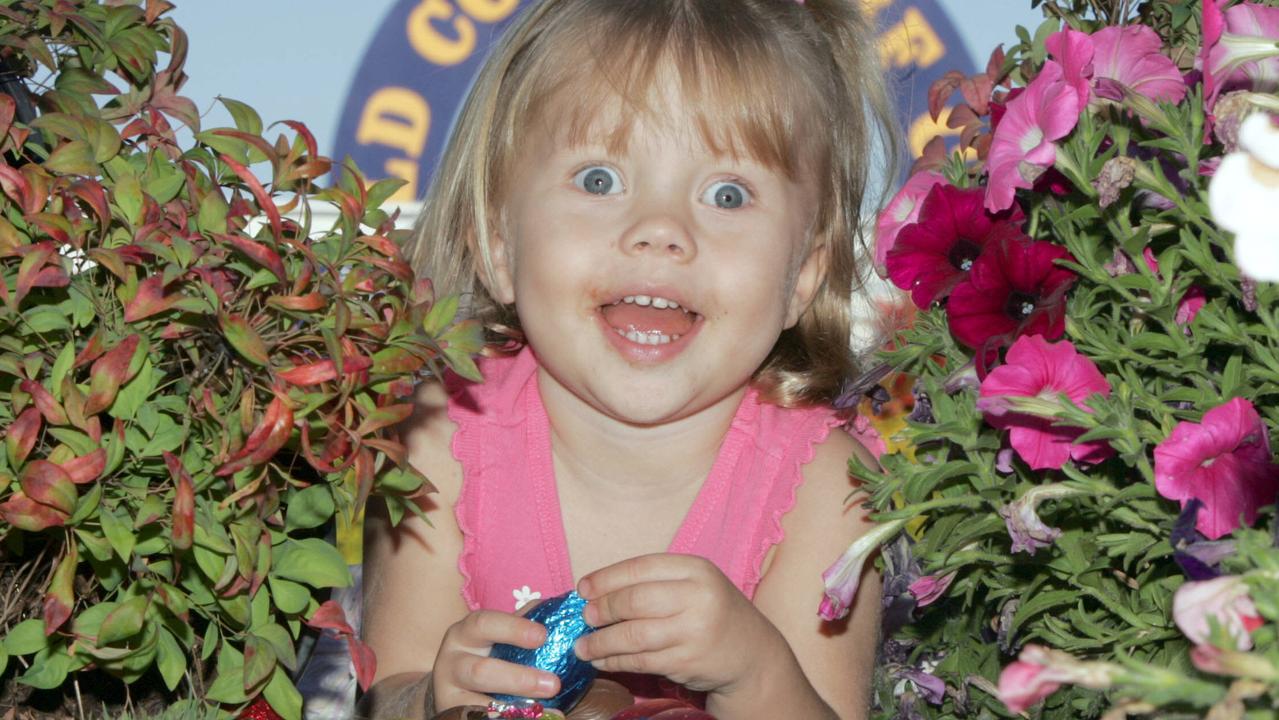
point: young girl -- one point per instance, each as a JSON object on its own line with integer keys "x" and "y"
{"x": 661, "y": 198}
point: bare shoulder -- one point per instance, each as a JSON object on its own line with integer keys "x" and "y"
{"x": 428, "y": 437}
{"x": 838, "y": 658}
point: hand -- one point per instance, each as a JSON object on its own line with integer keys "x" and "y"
{"x": 675, "y": 616}
{"x": 464, "y": 674}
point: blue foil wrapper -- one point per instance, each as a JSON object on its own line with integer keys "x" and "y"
{"x": 562, "y": 617}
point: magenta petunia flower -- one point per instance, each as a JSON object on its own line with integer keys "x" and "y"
{"x": 1239, "y": 51}
{"x": 1015, "y": 288}
{"x": 1035, "y": 368}
{"x": 935, "y": 253}
{"x": 1132, "y": 55}
{"x": 1021, "y": 147}
{"x": 1224, "y": 462}
{"x": 901, "y": 211}
{"x": 1074, "y": 52}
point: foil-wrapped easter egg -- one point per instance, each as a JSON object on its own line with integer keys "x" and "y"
{"x": 562, "y": 617}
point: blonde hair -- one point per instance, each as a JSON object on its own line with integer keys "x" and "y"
{"x": 798, "y": 84}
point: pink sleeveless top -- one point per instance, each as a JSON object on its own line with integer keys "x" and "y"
{"x": 514, "y": 547}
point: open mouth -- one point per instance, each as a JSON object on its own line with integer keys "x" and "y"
{"x": 649, "y": 319}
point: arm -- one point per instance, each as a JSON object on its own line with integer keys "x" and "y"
{"x": 678, "y": 616}
{"x": 432, "y": 653}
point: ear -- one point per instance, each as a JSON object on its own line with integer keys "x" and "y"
{"x": 809, "y": 279}
{"x": 501, "y": 285}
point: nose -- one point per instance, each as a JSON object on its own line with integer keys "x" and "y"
{"x": 660, "y": 234}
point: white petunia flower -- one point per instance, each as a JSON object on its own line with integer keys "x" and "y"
{"x": 1244, "y": 193}
{"x": 524, "y": 596}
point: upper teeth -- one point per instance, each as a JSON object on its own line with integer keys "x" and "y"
{"x": 657, "y": 302}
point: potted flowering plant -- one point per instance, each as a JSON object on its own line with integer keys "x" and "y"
{"x": 1077, "y": 504}
{"x": 196, "y": 379}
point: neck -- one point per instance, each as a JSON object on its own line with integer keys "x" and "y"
{"x": 612, "y": 455}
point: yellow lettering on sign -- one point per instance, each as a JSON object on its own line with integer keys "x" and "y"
{"x": 924, "y": 129}
{"x": 488, "y": 11}
{"x": 396, "y": 117}
{"x": 430, "y": 43}
{"x": 403, "y": 169}
{"x": 911, "y": 41}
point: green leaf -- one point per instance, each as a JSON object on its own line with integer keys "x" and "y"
{"x": 123, "y": 622}
{"x": 245, "y": 339}
{"x": 134, "y": 393}
{"x": 309, "y": 507}
{"x": 128, "y": 197}
{"x": 61, "y": 366}
{"x": 45, "y": 319}
{"x": 440, "y": 315}
{"x": 290, "y": 597}
{"x": 245, "y": 117}
{"x": 312, "y": 561}
{"x": 228, "y": 687}
{"x": 280, "y": 641}
{"x": 74, "y": 157}
{"x": 48, "y": 670}
{"x": 170, "y": 659}
{"x": 259, "y": 662}
{"x": 283, "y": 696}
{"x": 209, "y": 642}
{"x": 213, "y": 212}
{"x": 26, "y": 637}
{"x": 119, "y": 531}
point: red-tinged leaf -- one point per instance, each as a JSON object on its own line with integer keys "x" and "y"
{"x": 302, "y": 303}
{"x": 307, "y": 137}
{"x": 156, "y": 8}
{"x": 383, "y": 417}
{"x": 59, "y": 598}
{"x": 33, "y": 261}
{"x": 363, "y": 478}
{"x": 995, "y": 65}
{"x": 21, "y": 435}
{"x": 74, "y": 157}
{"x": 13, "y": 182}
{"x": 92, "y": 351}
{"x": 87, "y": 467}
{"x": 330, "y": 616}
{"x": 258, "y": 253}
{"x": 149, "y": 300}
{"x": 7, "y": 109}
{"x": 309, "y": 374}
{"x": 400, "y": 388}
{"x": 37, "y": 192}
{"x": 941, "y": 90}
{"x": 49, "y": 484}
{"x": 91, "y": 192}
{"x": 183, "y": 503}
{"x": 256, "y": 141}
{"x": 48, "y": 407}
{"x": 265, "y": 203}
{"x": 24, "y": 513}
{"x": 110, "y": 259}
{"x": 394, "y": 451}
{"x": 976, "y": 91}
{"x": 364, "y": 660}
{"x": 108, "y": 374}
{"x": 245, "y": 339}
{"x": 266, "y": 439}
{"x": 396, "y": 360}
{"x": 323, "y": 462}
{"x": 382, "y": 244}
{"x": 56, "y": 227}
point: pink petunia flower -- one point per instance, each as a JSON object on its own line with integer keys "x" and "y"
{"x": 1238, "y": 51}
{"x": 935, "y": 253}
{"x": 929, "y": 588}
{"x": 1132, "y": 55}
{"x": 1223, "y": 601}
{"x": 1036, "y": 368}
{"x": 1040, "y": 671}
{"x": 1014, "y": 288}
{"x": 1190, "y": 305}
{"x": 1021, "y": 147}
{"x": 1224, "y": 462}
{"x": 901, "y": 211}
{"x": 843, "y": 577}
{"x": 1074, "y": 52}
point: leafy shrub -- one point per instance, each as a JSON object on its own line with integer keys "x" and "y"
{"x": 194, "y": 380}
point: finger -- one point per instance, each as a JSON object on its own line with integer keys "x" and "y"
{"x": 482, "y": 628}
{"x": 645, "y": 568}
{"x": 491, "y": 676}
{"x": 627, "y": 638}
{"x": 645, "y": 600}
{"x": 648, "y": 663}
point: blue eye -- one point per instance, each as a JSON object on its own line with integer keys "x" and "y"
{"x": 598, "y": 180}
{"x": 726, "y": 195}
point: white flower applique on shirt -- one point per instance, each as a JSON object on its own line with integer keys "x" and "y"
{"x": 524, "y": 596}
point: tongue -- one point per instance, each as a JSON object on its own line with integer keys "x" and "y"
{"x": 646, "y": 319}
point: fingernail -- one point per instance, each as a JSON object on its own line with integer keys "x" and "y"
{"x": 546, "y": 684}
{"x": 584, "y": 587}
{"x": 578, "y": 646}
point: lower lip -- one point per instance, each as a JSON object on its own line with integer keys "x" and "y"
{"x": 647, "y": 354}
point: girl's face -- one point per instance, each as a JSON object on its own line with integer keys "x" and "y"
{"x": 653, "y": 282}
